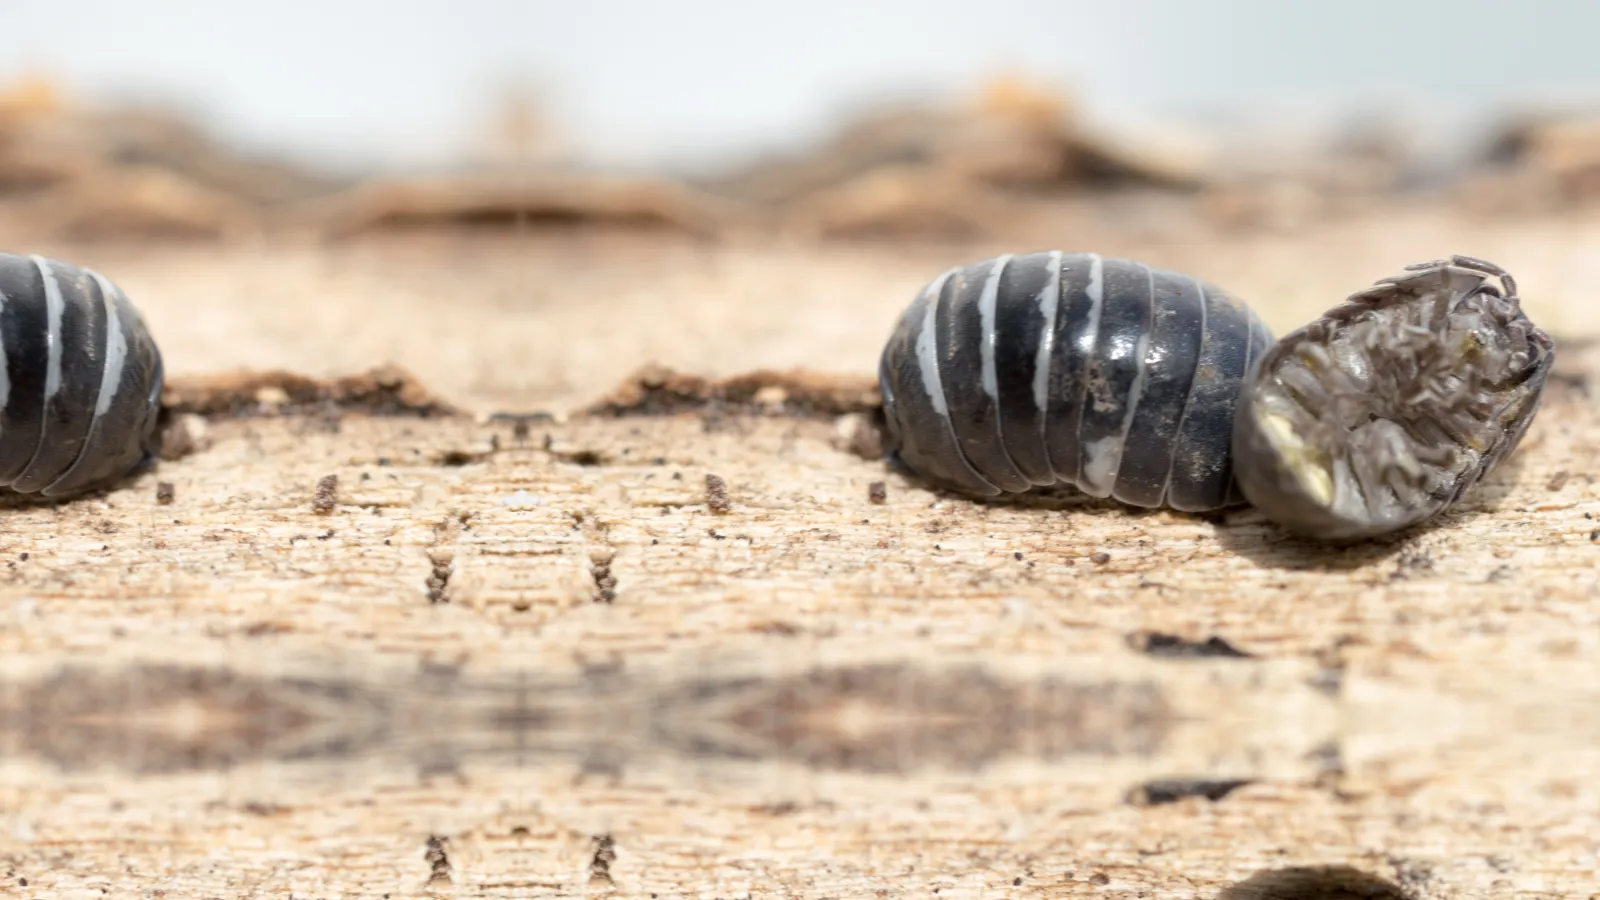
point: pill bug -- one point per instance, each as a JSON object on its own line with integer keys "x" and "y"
{"x": 80, "y": 379}
{"x": 1109, "y": 375}
{"x": 1383, "y": 412}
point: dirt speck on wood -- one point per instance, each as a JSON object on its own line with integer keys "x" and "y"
{"x": 385, "y": 390}
{"x": 327, "y": 494}
{"x": 717, "y": 495}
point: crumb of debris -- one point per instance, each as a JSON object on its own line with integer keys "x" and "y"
{"x": 605, "y": 853}
{"x": 1557, "y": 481}
{"x": 717, "y": 494}
{"x": 165, "y": 492}
{"x": 271, "y": 396}
{"x": 877, "y": 492}
{"x": 771, "y": 396}
{"x": 860, "y": 434}
{"x": 1412, "y": 561}
{"x": 184, "y": 435}
{"x": 442, "y": 560}
{"x": 438, "y": 860}
{"x": 327, "y": 488}
{"x": 1100, "y": 557}
{"x": 605, "y": 582}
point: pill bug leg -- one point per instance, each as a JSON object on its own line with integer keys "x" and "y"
{"x": 1386, "y": 410}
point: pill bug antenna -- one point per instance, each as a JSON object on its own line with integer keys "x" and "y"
{"x": 1508, "y": 284}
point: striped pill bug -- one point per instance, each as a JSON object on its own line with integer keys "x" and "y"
{"x": 1109, "y": 375}
{"x": 1385, "y": 411}
{"x": 80, "y": 380}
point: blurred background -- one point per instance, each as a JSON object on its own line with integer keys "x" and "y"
{"x": 522, "y": 205}
{"x": 357, "y": 84}
{"x": 406, "y": 83}
{"x": 1178, "y": 132}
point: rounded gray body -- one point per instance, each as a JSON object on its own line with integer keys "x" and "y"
{"x": 1106, "y": 374}
{"x": 80, "y": 379}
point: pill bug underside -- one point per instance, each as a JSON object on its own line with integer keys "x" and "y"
{"x": 1044, "y": 368}
{"x": 80, "y": 379}
{"x": 1385, "y": 411}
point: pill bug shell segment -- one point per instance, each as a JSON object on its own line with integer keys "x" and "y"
{"x": 1109, "y": 375}
{"x": 80, "y": 379}
{"x": 1382, "y": 413}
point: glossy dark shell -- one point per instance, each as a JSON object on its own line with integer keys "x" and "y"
{"x": 80, "y": 379}
{"x": 1385, "y": 411}
{"x": 1069, "y": 368}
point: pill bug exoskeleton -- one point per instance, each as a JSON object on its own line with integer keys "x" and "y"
{"x": 1386, "y": 410}
{"x": 80, "y": 379}
{"x": 1106, "y": 374}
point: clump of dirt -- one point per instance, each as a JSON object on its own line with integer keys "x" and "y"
{"x": 383, "y": 391}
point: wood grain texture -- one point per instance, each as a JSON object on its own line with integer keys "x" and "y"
{"x": 525, "y": 657}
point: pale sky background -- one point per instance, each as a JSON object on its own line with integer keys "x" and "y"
{"x": 652, "y": 82}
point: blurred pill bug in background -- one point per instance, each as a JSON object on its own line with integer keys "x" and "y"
{"x": 1385, "y": 411}
{"x": 1109, "y": 375}
{"x": 1159, "y": 390}
{"x": 80, "y": 380}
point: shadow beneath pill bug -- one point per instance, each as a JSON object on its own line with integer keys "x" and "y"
{"x": 1315, "y": 883}
{"x": 14, "y": 501}
{"x": 1251, "y": 535}
{"x": 1055, "y": 498}
{"x": 1490, "y": 494}
{"x": 10, "y": 500}
{"x": 1062, "y": 498}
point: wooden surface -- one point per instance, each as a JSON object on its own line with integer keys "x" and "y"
{"x": 522, "y": 657}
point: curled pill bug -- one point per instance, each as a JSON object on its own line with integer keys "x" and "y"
{"x": 1109, "y": 375}
{"x": 1387, "y": 409}
{"x": 80, "y": 380}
